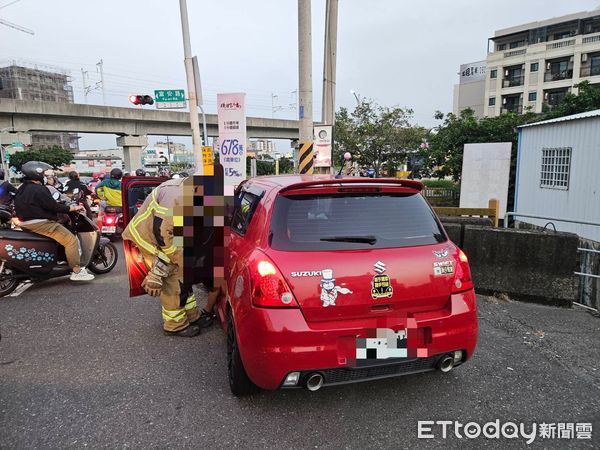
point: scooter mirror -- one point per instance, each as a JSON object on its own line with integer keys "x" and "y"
{"x": 56, "y": 196}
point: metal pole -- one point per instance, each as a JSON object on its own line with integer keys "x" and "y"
{"x": 204, "y": 129}
{"x": 189, "y": 72}
{"x": 83, "y": 72}
{"x": 304, "y": 76}
{"x": 101, "y": 66}
{"x": 329, "y": 63}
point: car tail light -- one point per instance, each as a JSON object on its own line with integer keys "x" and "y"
{"x": 462, "y": 274}
{"x": 269, "y": 289}
{"x": 110, "y": 220}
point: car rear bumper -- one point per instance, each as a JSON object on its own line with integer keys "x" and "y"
{"x": 275, "y": 342}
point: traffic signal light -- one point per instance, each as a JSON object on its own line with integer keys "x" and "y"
{"x": 141, "y": 99}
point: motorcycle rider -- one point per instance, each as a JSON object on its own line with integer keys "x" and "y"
{"x": 52, "y": 185}
{"x": 109, "y": 190}
{"x": 157, "y": 231}
{"x": 7, "y": 190}
{"x": 75, "y": 183}
{"x": 140, "y": 173}
{"x": 37, "y": 212}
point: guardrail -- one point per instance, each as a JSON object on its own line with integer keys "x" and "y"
{"x": 560, "y": 219}
{"x": 492, "y": 211}
{"x": 557, "y": 219}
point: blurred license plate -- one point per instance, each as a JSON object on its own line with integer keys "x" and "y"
{"x": 109, "y": 229}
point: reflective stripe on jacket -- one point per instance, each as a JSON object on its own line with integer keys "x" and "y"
{"x": 151, "y": 229}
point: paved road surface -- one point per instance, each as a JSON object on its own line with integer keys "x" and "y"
{"x": 83, "y": 365}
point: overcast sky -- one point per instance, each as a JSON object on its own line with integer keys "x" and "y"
{"x": 397, "y": 52}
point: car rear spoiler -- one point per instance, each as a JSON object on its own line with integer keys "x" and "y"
{"x": 363, "y": 182}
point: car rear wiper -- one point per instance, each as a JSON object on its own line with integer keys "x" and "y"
{"x": 361, "y": 239}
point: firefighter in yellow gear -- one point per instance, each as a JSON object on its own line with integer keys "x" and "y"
{"x": 156, "y": 230}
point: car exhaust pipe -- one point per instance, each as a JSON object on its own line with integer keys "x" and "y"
{"x": 314, "y": 382}
{"x": 446, "y": 364}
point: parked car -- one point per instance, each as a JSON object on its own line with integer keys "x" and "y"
{"x": 333, "y": 281}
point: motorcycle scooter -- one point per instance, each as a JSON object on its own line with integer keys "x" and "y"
{"x": 27, "y": 258}
{"x": 111, "y": 221}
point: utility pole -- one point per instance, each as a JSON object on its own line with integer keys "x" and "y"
{"x": 100, "y": 67}
{"x": 303, "y": 157}
{"x": 86, "y": 88}
{"x": 189, "y": 72}
{"x": 329, "y": 62}
{"x": 329, "y": 68}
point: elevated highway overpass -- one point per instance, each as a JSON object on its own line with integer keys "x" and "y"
{"x": 130, "y": 125}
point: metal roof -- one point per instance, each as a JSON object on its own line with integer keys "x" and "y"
{"x": 583, "y": 115}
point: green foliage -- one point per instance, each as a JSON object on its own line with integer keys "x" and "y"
{"x": 445, "y": 184}
{"x": 55, "y": 156}
{"x": 286, "y": 165}
{"x": 446, "y": 142}
{"x": 587, "y": 99}
{"x": 377, "y": 137}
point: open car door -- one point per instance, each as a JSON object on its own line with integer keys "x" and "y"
{"x": 134, "y": 191}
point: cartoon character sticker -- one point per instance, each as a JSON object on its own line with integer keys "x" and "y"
{"x": 381, "y": 286}
{"x": 441, "y": 253}
{"x": 329, "y": 291}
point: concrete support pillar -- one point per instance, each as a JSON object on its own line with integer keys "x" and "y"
{"x": 132, "y": 151}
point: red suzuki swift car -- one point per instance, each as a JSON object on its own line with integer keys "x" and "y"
{"x": 341, "y": 280}
{"x": 333, "y": 281}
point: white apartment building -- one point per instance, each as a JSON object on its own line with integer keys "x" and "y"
{"x": 533, "y": 66}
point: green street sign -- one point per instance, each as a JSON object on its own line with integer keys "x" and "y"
{"x": 16, "y": 144}
{"x": 7, "y": 156}
{"x": 170, "y": 99}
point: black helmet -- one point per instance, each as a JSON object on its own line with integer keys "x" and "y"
{"x": 140, "y": 173}
{"x": 117, "y": 174}
{"x": 1, "y": 174}
{"x": 34, "y": 170}
{"x": 73, "y": 175}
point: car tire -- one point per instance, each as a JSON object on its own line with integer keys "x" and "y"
{"x": 239, "y": 382}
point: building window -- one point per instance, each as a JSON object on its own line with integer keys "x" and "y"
{"x": 492, "y": 101}
{"x": 556, "y": 165}
{"x": 532, "y": 96}
{"x": 534, "y": 67}
{"x": 517, "y": 44}
{"x": 594, "y": 65}
{"x": 493, "y": 73}
{"x": 501, "y": 47}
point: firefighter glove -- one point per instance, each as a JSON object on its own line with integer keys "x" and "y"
{"x": 152, "y": 284}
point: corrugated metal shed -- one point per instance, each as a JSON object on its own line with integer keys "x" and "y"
{"x": 580, "y": 200}
{"x": 584, "y": 115}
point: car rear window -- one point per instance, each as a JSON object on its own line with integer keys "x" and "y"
{"x": 353, "y": 221}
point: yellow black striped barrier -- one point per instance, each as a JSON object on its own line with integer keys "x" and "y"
{"x": 305, "y": 158}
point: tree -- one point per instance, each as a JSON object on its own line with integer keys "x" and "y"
{"x": 378, "y": 137}
{"x": 286, "y": 165}
{"x": 587, "y": 99}
{"x": 446, "y": 142}
{"x": 55, "y": 156}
